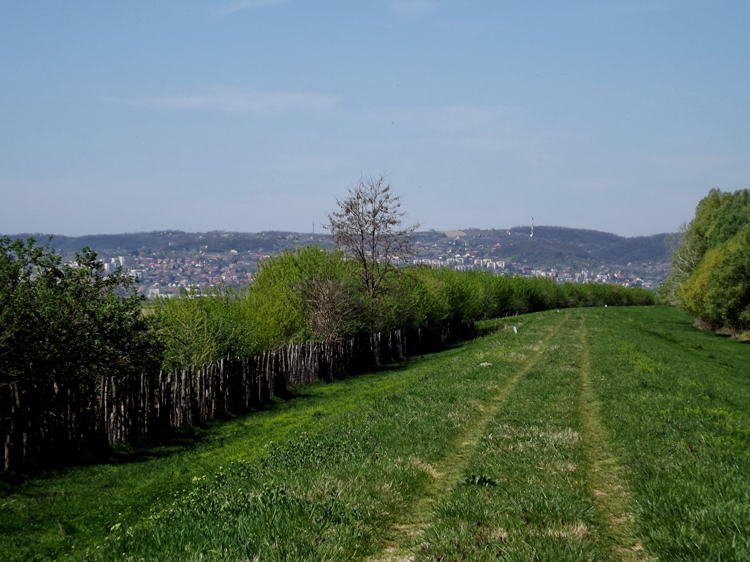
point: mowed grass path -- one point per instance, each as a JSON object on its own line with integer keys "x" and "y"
{"x": 592, "y": 434}
{"x": 542, "y": 484}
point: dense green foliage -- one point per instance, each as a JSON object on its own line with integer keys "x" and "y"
{"x": 711, "y": 277}
{"x": 343, "y": 470}
{"x": 61, "y": 322}
{"x": 293, "y": 291}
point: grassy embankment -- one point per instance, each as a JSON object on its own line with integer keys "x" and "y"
{"x": 617, "y": 433}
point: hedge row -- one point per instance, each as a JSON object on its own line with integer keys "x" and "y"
{"x": 294, "y": 293}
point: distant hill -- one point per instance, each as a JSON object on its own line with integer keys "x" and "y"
{"x": 555, "y": 245}
{"x": 549, "y": 245}
{"x": 172, "y": 241}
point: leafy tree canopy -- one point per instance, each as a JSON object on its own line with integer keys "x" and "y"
{"x": 63, "y": 321}
{"x": 711, "y": 275}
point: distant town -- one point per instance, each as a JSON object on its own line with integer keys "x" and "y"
{"x": 169, "y": 263}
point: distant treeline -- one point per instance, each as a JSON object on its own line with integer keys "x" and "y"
{"x": 711, "y": 267}
{"x": 82, "y": 362}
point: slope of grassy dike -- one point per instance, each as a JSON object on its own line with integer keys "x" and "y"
{"x": 591, "y": 434}
{"x": 66, "y": 512}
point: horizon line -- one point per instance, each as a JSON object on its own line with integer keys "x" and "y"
{"x": 324, "y": 234}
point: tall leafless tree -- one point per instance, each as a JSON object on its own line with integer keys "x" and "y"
{"x": 330, "y": 308}
{"x": 687, "y": 249}
{"x": 368, "y": 228}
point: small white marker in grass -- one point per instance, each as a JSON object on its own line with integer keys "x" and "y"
{"x": 515, "y": 330}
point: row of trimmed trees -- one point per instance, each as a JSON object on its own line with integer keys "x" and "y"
{"x": 315, "y": 294}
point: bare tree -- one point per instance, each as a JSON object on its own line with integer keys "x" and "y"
{"x": 367, "y": 227}
{"x": 686, "y": 249}
{"x": 330, "y": 308}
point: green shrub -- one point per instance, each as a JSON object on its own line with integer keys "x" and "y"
{"x": 718, "y": 292}
{"x": 203, "y": 327}
{"x": 711, "y": 268}
{"x": 60, "y": 322}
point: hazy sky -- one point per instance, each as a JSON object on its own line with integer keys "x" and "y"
{"x": 250, "y": 115}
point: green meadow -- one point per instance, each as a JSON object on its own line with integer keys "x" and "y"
{"x": 590, "y": 434}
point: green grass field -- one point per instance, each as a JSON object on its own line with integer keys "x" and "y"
{"x": 592, "y": 434}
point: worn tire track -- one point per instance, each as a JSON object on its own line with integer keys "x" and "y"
{"x": 608, "y": 488}
{"x": 447, "y": 472}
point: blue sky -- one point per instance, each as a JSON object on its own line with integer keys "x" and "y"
{"x": 250, "y": 115}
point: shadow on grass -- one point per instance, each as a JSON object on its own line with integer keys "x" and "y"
{"x": 703, "y": 344}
